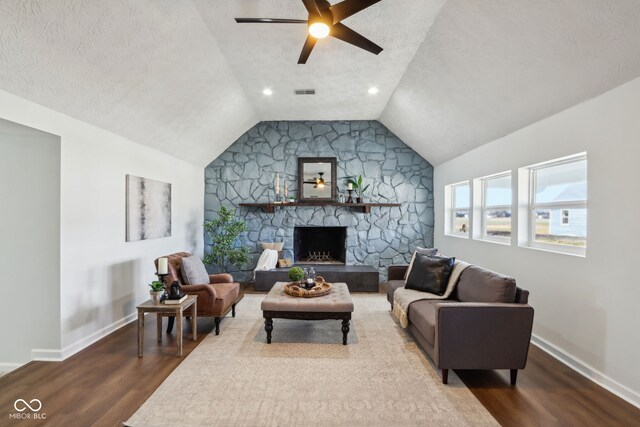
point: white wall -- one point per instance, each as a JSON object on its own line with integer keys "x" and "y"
{"x": 29, "y": 242}
{"x": 587, "y": 309}
{"x": 102, "y": 276}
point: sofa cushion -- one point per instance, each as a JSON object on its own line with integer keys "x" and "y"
{"x": 477, "y": 284}
{"x": 392, "y": 285}
{"x": 430, "y": 274}
{"x": 422, "y": 315}
{"x": 193, "y": 271}
{"x": 419, "y": 250}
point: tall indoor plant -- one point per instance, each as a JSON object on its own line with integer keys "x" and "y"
{"x": 223, "y": 232}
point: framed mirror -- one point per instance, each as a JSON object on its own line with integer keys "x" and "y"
{"x": 317, "y": 179}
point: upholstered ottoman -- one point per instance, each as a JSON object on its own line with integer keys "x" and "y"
{"x": 337, "y": 305}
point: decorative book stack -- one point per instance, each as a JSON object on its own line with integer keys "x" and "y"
{"x": 171, "y": 300}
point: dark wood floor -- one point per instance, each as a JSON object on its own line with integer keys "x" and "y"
{"x": 106, "y": 383}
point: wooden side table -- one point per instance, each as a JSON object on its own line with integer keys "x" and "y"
{"x": 176, "y": 310}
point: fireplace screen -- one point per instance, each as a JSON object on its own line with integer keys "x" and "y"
{"x": 320, "y": 245}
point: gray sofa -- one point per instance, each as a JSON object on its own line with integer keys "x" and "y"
{"x": 485, "y": 324}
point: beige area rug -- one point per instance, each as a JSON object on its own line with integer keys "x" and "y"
{"x": 306, "y": 377}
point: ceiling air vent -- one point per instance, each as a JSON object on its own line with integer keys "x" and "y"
{"x": 304, "y": 91}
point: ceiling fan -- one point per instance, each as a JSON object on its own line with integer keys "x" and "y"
{"x": 325, "y": 20}
{"x": 318, "y": 182}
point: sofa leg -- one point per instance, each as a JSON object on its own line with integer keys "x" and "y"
{"x": 514, "y": 376}
{"x": 445, "y": 376}
{"x": 233, "y": 310}
{"x": 217, "y": 320}
{"x": 170, "y": 324}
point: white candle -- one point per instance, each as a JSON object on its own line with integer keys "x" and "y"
{"x": 286, "y": 190}
{"x": 163, "y": 265}
{"x": 350, "y": 186}
{"x": 277, "y": 183}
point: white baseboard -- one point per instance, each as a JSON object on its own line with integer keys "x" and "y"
{"x": 72, "y": 349}
{"x": 588, "y": 371}
{"x": 5, "y": 368}
{"x": 54, "y": 355}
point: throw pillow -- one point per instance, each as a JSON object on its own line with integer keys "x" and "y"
{"x": 193, "y": 271}
{"x": 419, "y": 250}
{"x": 430, "y": 274}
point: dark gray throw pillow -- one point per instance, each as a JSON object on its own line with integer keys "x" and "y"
{"x": 430, "y": 274}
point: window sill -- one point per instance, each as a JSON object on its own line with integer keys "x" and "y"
{"x": 458, "y": 236}
{"x": 581, "y": 253}
{"x": 496, "y": 242}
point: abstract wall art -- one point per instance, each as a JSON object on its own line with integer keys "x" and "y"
{"x": 148, "y": 209}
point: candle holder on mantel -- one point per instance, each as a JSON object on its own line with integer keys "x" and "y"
{"x": 350, "y": 198}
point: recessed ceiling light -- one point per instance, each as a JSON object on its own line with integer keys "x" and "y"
{"x": 373, "y": 90}
{"x": 267, "y": 92}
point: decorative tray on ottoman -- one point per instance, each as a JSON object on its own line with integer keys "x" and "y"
{"x": 321, "y": 288}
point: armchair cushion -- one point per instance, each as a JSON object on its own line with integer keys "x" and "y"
{"x": 226, "y": 294}
{"x": 193, "y": 271}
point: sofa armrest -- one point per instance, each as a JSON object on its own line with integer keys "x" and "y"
{"x": 220, "y": 278}
{"x": 206, "y": 294}
{"x": 396, "y": 272}
{"x": 482, "y": 335}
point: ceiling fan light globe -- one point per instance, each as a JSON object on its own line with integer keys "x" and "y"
{"x": 319, "y": 30}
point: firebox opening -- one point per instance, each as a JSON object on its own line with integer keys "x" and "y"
{"x": 320, "y": 245}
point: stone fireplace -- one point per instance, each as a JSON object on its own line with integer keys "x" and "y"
{"x": 320, "y": 245}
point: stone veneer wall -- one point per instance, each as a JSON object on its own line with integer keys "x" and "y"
{"x": 246, "y": 171}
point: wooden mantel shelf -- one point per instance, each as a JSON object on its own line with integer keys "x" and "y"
{"x": 362, "y": 207}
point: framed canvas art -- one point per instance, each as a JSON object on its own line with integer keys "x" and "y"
{"x": 148, "y": 209}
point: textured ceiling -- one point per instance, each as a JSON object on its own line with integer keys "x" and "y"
{"x": 148, "y": 70}
{"x": 266, "y": 55}
{"x": 181, "y": 76}
{"x": 488, "y": 68}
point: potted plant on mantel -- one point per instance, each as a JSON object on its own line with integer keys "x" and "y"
{"x": 358, "y": 186}
{"x": 157, "y": 289}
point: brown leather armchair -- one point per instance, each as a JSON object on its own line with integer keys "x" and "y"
{"x": 215, "y": 299}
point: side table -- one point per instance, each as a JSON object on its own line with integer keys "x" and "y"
{"x": 176, "y": 310}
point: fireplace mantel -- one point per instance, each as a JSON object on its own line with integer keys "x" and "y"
{"x": 361, "y": 207}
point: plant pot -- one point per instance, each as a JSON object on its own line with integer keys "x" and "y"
{"x": 358, "y": 199}
{"x": 155, "y": 296}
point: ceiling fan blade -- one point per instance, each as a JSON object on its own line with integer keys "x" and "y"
{"x": 269, "y": 21}
{"x": 306, "y": 49}
{"x": 312, "y": 7}
{"x": 347, "y": 8}
{"x": 346, "y": 34}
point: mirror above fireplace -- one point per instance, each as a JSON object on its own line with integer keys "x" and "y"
{"x": 317, "y": 179}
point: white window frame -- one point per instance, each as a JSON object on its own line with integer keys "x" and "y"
{"x": 484, "y": 208}
{"x": 451, "y": 211}
{"x": 534, "y": 207}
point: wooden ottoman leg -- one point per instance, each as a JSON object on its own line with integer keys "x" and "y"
{"x": 217, "y": 320}
{"x": 268, "y": 326}
{"x": 233, "y": 310}
{"x": 170, "y": 324}
{"x": 345, "y": 330}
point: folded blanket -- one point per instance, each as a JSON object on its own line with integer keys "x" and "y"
{"x": 267, "y": 261}
{"x": 402, "y": 297}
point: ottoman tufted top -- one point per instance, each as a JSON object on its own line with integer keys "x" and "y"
{"x": 339, "y": 300}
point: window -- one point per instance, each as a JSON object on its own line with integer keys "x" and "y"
{"x": 460, "y": 213}
{"x": 496, "y": 208}
{"x": 558, "y": 205}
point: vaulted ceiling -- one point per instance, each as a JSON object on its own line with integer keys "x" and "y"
{"x": 181, "y": 76}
